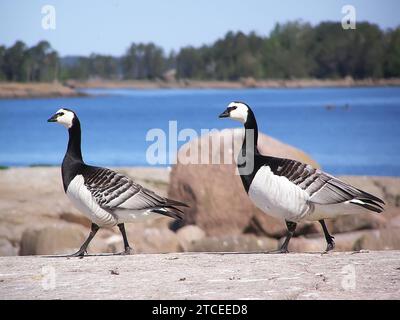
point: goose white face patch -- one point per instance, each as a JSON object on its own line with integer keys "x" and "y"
{"x": 239, "y": 113}
{"x": 65, "y": 118}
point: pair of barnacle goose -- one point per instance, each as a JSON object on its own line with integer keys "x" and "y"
{"x": 284, "y": 188}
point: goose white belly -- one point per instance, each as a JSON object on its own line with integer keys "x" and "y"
{"x": 83, "y": 200}
{"x": 277, "y": 196}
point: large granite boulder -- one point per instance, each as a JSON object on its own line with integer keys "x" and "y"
{"x": 61, "y": 238}
{"x": 220, "y": 206}
{"x": 218, "y": 202}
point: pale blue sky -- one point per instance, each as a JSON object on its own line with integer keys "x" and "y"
{"x": 108, "y": 27}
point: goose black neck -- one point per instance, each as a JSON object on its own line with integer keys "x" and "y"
{"x": 251, "y": 128}
{"x": 74, "y": 143}
{"x": 247, "y": 164}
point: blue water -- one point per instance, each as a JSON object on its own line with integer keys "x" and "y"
{"x": 361, "y": 139}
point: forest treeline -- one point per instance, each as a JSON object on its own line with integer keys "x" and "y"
{"x": 292, "y": 50}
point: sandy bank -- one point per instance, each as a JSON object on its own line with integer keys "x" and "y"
{"x": 34, "y": 90}
{"x": 243, "y": 83}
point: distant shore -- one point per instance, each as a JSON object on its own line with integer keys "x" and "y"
{"x": 239, "y": 84}
{"x": 71, "y": 87}
{"x": 36, "y": 90}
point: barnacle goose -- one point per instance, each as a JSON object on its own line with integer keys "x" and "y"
{"x": 291, "y": 190}
{"x": 106, "y": 197}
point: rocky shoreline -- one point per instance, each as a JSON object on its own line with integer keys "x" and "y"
{"x": 37, "y": 218}
{"x": 71, "y": 88}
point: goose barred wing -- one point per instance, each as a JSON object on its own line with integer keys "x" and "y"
{"x": 321, "y": 187}
{"x": 112, "y": 191}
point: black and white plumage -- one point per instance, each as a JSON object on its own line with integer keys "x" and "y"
{"x": 291, "y": 190}
{"x": 106, "y": 197}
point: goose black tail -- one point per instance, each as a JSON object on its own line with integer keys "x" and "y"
{"x": 171, "y": 212}
{"x": 170, "y": 209}
{"x": 174, "y": 203}
{"x": 368, "y": 203}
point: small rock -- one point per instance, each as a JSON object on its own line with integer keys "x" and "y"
{"x": 152, "y": 240}
{"x": 114, "y": 243}
{"x": 188, "y": 234}
{"x": 382, "y": 239}
{"x": 7, "y": 249}
{"x": 355, "y": 222}
{"x": 61, "y": 238}
{"x": 114, "y": 271}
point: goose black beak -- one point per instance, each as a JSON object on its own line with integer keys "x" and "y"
{"x": 224, "y": 114}
{"x": 53, "y": 118}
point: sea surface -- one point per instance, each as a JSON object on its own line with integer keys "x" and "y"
{"x": 346, "y": 130}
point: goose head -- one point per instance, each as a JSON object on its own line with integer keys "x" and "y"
{"x": 238, "y": 111}
{"x": 64, "y": 116}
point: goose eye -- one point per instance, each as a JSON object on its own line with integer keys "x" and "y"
{"x": 232, "y": 108}
{"x": 61, "y": 113}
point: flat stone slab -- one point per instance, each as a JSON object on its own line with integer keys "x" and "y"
{"x": 342, "y": 275}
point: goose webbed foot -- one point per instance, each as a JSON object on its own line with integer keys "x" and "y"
{"x": 83, "y": 250}
{"x": 284, "y": 248}
{"x": 278, "y": 251}
{"x": 329, "y": 239}
{"x": 331, "y": 245}
{"x": 128, "y": 251}
{"x": 80, "y": 253}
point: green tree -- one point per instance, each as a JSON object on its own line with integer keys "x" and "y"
{"x": 14, "y": 62}
{"x": 367, "y": 49}
{"x": 41, "y": 63}
{"x": 237, "y": 55}
{"x": 103, "y": 66}
{"x": 78, "y": 69}
{"x": 286, "y": 53}
{"x": 292, "y": 50}
{"x": 2, "y": 54}
{"x": 392, "y": 56}
{"x": 143, "y": 61}
{"x": 190, "y": 63}
{"x": 339, "y": 53}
